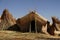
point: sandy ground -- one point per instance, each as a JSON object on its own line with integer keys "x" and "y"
{"x": 13, "y": 35}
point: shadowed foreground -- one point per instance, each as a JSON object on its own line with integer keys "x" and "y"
{"x": 13, "y": 35}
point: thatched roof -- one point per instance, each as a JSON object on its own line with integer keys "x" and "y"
{"x": 7, "y": 20}
{"x": 0, "y": 18}
{"x": 33, "y": 16}
{"x": 55, "y": 20}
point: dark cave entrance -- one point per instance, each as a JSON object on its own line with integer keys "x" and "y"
{"x": 33, "y": 26}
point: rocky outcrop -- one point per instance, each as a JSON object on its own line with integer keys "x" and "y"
{"x": 7, "y": 20}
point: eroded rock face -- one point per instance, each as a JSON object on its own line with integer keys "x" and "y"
{"x": 7, "y": 20}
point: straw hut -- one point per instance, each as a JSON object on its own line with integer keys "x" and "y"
{"x": 7, "y": 20}
{"x": 51, "y": 28}
{"x": 32, "y": 22}
{"x": 56, "y": 22}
